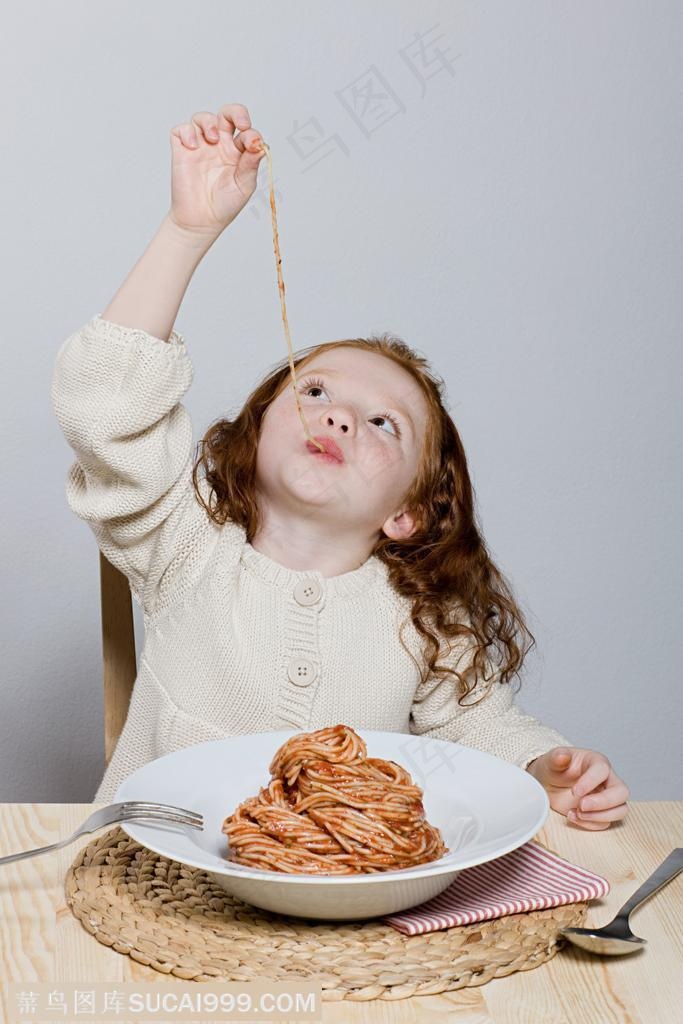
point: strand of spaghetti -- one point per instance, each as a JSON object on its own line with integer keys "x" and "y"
{"x": 332, "y": 744}
{"x": 346, "y": 749}
{"x": 351, "y": 783}
{"x": 281, "y": 288}
{"x": 371, "y": 837}
{"x": 360, "y": 797}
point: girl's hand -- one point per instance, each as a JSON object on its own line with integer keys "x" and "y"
{"x": 583, "y": 785}
{"x": 214, "y": 171}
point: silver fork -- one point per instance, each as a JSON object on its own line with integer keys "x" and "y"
{"x": 130, "y": 810}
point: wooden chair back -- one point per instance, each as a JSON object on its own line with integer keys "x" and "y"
{"x": 118, "y": 651}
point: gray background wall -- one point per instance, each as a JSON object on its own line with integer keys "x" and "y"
{"x": 512, "y": 208}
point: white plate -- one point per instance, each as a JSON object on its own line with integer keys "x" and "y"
{"x": 483, "y": 806}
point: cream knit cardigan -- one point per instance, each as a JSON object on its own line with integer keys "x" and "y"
{"x": 235, "y": 642}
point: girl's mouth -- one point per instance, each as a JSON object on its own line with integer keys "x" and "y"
{"x": 332, "y": 453}
{"x": 324, "y": 456}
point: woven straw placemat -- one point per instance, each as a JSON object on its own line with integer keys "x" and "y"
{"x": 175, "y": 919}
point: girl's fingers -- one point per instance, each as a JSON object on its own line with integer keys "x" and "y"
{"x": 588, "y": 826}
{"x": 609, "y": 814}
{"x": 205, "y": 126}
{"x": 187, "y": 135}
{"x": 247, "y": 140}
{"x": 251, "y": 140}
{"x": 205, "y": 122}
{"x": 612, "y": 796}
{"x": 597, "y": 772}
{"x": 233, "y": 117}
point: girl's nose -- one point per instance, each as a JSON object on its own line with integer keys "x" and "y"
{"x": 341, "y": 420}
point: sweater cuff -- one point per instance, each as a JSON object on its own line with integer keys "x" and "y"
{"x": 110, "y": 331}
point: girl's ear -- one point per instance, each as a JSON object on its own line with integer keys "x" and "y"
{"x": 401, "y": 526}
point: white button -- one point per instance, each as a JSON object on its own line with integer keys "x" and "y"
{"x": 301, "y": 671}
{"x": 307, "y": 591}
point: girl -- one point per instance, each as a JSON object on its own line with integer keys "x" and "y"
{"x": 285, "y": 586}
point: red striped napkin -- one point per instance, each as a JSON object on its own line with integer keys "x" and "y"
{"x": 528, "y": 878}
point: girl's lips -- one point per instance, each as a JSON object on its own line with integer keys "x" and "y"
{"x": 332, "y": 453}
{"x": 324, "y": 456}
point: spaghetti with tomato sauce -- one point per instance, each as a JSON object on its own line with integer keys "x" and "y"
{"x": 329, "y": 809}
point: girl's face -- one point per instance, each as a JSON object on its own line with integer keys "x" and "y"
{"x": 375, "y": 412}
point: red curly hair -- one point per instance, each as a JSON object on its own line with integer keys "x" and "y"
{"x": 444, "y": 567}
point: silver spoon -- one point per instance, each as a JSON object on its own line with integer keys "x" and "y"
{"x": 616, "y": 937}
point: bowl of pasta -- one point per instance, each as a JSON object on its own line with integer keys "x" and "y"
{"x": 337, "y": 824}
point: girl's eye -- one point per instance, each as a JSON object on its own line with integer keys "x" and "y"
{"x": 310, "y": 385}
{"x": 391, "y": 419}
{"x": 314, "y": 384}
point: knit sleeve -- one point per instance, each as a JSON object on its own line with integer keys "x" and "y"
{"x": 495, "y": 724}
{"x": 116, "y": 394}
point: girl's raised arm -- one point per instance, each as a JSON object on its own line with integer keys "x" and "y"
{"x": 119, "y": 379}
{"x": 213, "y": 176}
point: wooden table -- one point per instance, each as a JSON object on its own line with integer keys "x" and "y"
{"x": 43, "y": 942}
